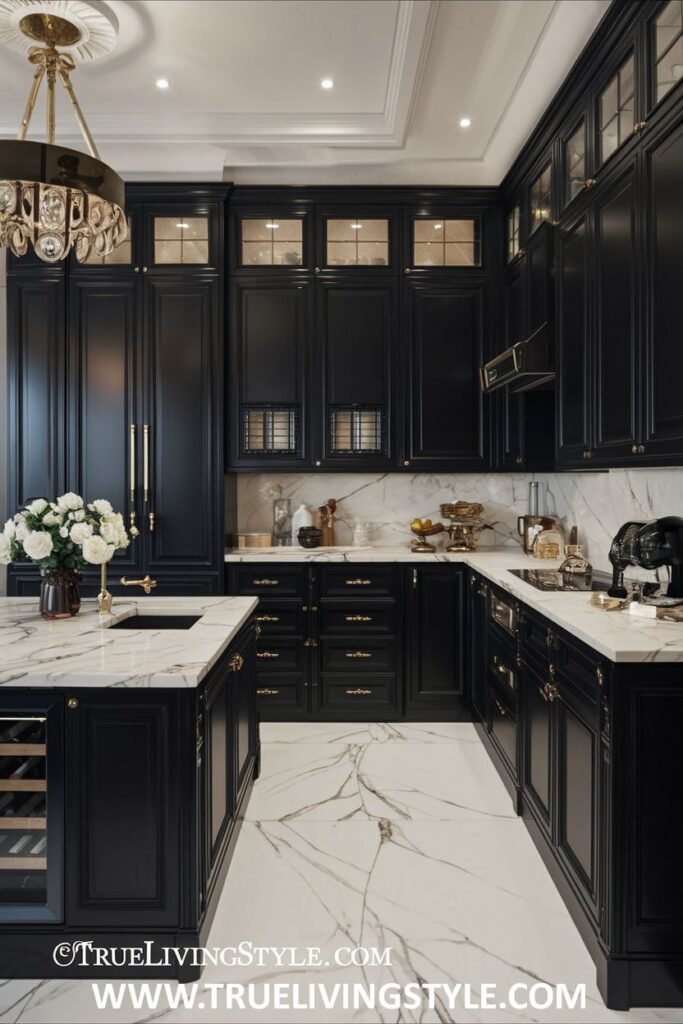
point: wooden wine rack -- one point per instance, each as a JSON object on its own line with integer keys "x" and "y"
{"x": 20, "y": 831}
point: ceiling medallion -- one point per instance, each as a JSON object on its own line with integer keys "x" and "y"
{"x": 53, "y": 198}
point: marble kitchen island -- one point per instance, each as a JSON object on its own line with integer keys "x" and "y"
{"x": 128, "y": 749}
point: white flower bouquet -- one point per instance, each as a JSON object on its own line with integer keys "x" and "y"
{"x": 63, "y": 535}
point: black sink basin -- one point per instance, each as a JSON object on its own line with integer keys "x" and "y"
{"x": 157, "y": 622}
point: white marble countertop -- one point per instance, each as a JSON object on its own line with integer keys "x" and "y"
{"x": 617, "y": 635}
{"x": 84, "y": 651}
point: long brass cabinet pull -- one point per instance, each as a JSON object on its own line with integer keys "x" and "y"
{"x": 359, "y": 618}
{"x": 266, "y": 583}
{"x": 501, "y": 708}
{"x": 358, "y": 582}
{"x": 267, "y": 692}
{"x": 132, "y": 467}
{"x": 359, "y": 692}
{"x": 145, "y": 461}
{"x": 358, "y": 654}
{"x": 267, "y": 618}
{"x": 267, "y": 654}
{"x": 152, "y": 522}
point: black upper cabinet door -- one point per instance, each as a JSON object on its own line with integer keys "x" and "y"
{"x": 663, "y": 355}
{"x": 538, "y": 272}
{"x": 357, "y": 239}
{"x": 446, "y": 330}
{"x": 615, "y": 358}
{"x": 35, "y": 319}
{"x": 435, "y": 632}
{"x": 182, "y": 445}
{"x": 573, "y": 343}
{"x": 357, "y": 348}
{"x": 125, "y": 260}
{"x": 511, "y": 406}
{"x": 269, "y": 370}
{"x": 104, "y": 412}
{"x": 180, "y": 237}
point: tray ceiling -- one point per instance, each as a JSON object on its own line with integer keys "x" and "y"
{"x": 245, "y": 100}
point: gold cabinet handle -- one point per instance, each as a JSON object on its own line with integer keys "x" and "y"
{"x": 359, "y": 692}
{"x": 132, "y": 469}
{"x": 358, "y": 654}
{"x": 310, "y": 643}
{"x": 549, "y": 692}
{"x": 359, "y": 618}
{"x": 236, "y": 662}
{"x": 267, "y": 654}
{"x": 145, "y": 461}
{"x": 500, "y": 707}
{"x": 267, "y": 692}
{"x": 152, "y": 521}
{"x": 267, "y": 618}
{"x": 266, "y": 583}
{"x": 358, "y": 583}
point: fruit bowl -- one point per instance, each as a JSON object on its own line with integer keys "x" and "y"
{"x": 422, "y": 531}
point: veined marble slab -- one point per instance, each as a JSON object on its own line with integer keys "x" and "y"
{"x": 84, "y": 651}
{"x": 617, "y": 635}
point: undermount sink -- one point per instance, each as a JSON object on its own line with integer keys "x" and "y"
{"x": 157, "y": 622}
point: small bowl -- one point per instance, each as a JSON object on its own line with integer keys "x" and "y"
{"x": 309, "y": 536}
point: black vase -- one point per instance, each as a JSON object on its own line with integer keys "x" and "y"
{"x": 60, "y": 594}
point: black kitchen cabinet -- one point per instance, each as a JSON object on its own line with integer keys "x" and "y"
{"x": 357, "y": 349}
{"x": 269, "y": 372}
{"x": 573, "y": 348}
{"x": 118, "y": 365}
{"x": 435, "y": 638}
{"x": 537, "y": 767}
{"x": 477, "y": 647}
{"x": 446, "y": 329}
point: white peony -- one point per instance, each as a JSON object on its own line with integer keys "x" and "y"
{"x": 37, "y": 506}
{"x": 10, "y": 529}
{"x": 38, "y": 545}
{"x": 22, "y": 531}
{"x": 80, "y": 532}
{"x": 5, "y": 547}
{"x": 70, "y": 501}
{"x": 53, "y": 518}
{"x": 96, "y": 550}
{"x": 102, "y": 506}
{"x": 63, "y": 532}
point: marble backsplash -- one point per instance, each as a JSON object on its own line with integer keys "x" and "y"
{"x": 598, "y": 502}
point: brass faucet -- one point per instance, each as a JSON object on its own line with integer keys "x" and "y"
{"x": 147, "y": 584}
{"x": 104, "y": 598}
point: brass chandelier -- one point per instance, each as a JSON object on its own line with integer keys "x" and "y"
{"x": 53, "y": 198}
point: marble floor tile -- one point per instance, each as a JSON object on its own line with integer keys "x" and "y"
{"x": 364, "y": 835}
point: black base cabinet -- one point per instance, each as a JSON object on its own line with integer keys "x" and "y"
{"x": 131, "y": 805}
{"x": 589, "y": 751}
{"x": 351, "y": 642}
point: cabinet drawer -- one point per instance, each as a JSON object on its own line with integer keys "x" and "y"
{"x": 503, "y": 611}
{"x": 277, "y": 619}
{"x": 503, "y": 726}
{"x": 358, "y": 656}
{"x": 533, "y": 631}
{"x": 579, "y": 671}
{"x": 358, "y": 581}
{"x": 279, "y": 655}
{"x": 268, "y": 580}
{"x": 357, "y": 618}
{"x": 286, "y": 691}
{"x": 353, "y": 694}
{"x": 503, "y": 669}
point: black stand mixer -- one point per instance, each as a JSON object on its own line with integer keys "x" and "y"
{"x": 648, "y": 545}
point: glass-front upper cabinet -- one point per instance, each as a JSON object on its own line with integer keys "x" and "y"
{"x": 575, "y": 162}
{"x": 616, "y": 110}
{"x": 452, "y": 242}
{"x": 512, "y": 233}
{"x": 356, "y": 241}
{"x": 271, "y": 241}
{"x": 540, "y": 197}
{"x": 667, "y": 48}
{"x": 181, "y": 235}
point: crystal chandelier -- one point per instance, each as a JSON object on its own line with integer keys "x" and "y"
{"x": 53, "y": 198}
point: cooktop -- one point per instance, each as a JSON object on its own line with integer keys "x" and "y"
{"x": 551, "y": 579}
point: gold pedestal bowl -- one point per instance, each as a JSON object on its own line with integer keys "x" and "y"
{"x": 422, "y": 546}
{"x": 465, "y": 525}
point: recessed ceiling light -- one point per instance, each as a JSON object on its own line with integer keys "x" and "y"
{"x": 163, "y": 83}
{"x": 327, "y": 83}
{"x": 272, "y": 226}
{"x": 356, "y": 227}
{"x": 465, "y": 122}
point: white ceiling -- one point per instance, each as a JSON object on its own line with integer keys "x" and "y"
{"x": 245, "y": 101}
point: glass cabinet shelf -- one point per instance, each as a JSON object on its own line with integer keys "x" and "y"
{"x": 23, "y": 809}
{"x": 271, "y": 241}
{"x": 439, "y": 242}
{"x": 357, "y": 242}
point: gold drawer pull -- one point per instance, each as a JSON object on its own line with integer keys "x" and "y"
{"x": 266, "y": 692}
{"x": 266, "y": 583}
{"x": 267, "y": 618}
{"x": 501, "y": 708}
{"x": 503, "y": 670}
{"x": 236, "y": 662}
{"x": 358, "y": 654}
{"x": 359, "y": 693}
{"x": 549, "y": 691}
{"x": 267, "y": 654}
{"x": 359, "y": 618}
{"x": 358, "y": 583}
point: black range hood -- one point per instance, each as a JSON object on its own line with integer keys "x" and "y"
{"x": 524, "y": 365}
